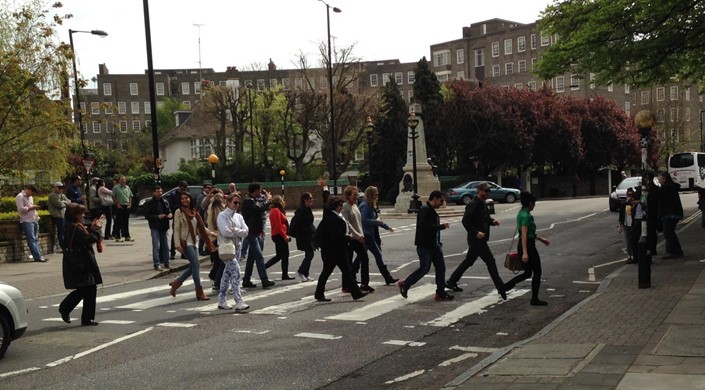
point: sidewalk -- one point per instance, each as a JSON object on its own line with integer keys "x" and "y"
{"x": 622, "y": 337}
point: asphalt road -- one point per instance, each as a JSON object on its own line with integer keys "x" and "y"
{"x": 148, "y": 339}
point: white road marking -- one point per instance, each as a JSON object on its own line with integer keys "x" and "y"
{"x": 19, "y": 372}
{"x": 457, "y": 359}
{"x": 384, "y": 306}
{"x": 475, "y": 307}
{"x": 473, "y": 349}
{"x": 320, "y": 336}
{"x": 403, "y": 342}
{"x": 117, "y": 322}
{"x": 129, "y": 294}
{"x": 251, "y": 331}
{"x": 176, "y": 325}
{"x": 591, "y": 270}
{"x": 98, "y": 348}
{"x": 405, "y": 377}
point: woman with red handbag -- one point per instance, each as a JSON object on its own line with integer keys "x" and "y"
{"x": 527, "y": 249}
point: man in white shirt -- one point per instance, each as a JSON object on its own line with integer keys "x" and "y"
{"x": 29, "y": 219}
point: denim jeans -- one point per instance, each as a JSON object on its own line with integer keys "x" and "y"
{"x": 31, "y": 231}
{"x": 428, "y": 256}
{"x": 160, "y": 247}
{"x": 194, "y": 268}
{"x": 254, "y": 255}
{"x": 246, "y": 244}
{"x": 59, "y": 224}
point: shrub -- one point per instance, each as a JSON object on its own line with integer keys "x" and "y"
{"x": 7, "y": 203}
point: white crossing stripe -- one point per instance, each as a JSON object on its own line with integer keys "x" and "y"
{"x": 475, "y": 307}
{"x": 176, "y": 325}
{"x": 403, "y": 342}
{"x": 457, "y": 359}
{"x": 386, "y": 305}
{"x": 116, "y": 322}
{"x": 320, "y": 336}
{"x": 473, "y": 349}
{"x": 129, "y": 294}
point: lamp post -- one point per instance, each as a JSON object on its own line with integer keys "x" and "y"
{"x": 330, "y": 92}
{"x": 644, "y": 121}
{"x": 152, "y": 92}
{"x": 99, "y": 33}
{"x": 702, "y": 145}
{"x": 282, "y": 172}
{"x": 369, "y": 128}
{"x": 252, "y": 128}
{"x": 413, "y": 135}
{"x": 213, "y": 159}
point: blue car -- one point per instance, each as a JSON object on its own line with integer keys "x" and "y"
{"x": 464, "y": 193}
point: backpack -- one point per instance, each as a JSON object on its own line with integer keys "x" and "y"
{"x": 292, "y": 226}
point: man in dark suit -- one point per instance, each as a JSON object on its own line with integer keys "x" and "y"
{"x": 477, "y": 222}
{"x": 429, "y": 247}
{"x": 253, "y": 212}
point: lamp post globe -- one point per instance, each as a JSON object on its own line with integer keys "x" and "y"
{"x": 413, "y": 122}
{"x": 213, "y": 159}
{"x": 282, "y": 172}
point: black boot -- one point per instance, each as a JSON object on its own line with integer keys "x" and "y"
{"x": 388, "y": 279}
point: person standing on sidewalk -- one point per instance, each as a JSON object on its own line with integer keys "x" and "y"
{"x": 527, "y": 249}
{"x": 302, "y": 224}
{"x": 29, "y": 220}
{"x": 231, "y": 226}
{"x": 429, "y": 247}
{"x": 82, "y": 274}
{"x": 75, "y": 190}
{"x": 188, "y": 227}
{"x": 670, "y": 211}
{"x": 351, "y": 213}
{"x": 477, "y": 222}
{"x": 158, "y": 214}
{"x": 370, "y": 228}
{"x": 280, "y": 229}
{"x": 123, "y": 203}
{"x": 107, "y": 202}
{"x": 626, "y": 215}
{"x": 57, "y": 203}
{"x": 253, "y": 212}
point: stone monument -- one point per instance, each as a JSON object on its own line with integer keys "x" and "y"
{"x": 427, "y": 182}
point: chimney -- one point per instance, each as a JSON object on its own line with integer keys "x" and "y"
{"x": 271, "y": 66}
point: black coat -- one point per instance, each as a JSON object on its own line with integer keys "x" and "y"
{"x": 477, "y": 219}
{"x": 332, "y": 235}
{"x": 252, "y": 212}
{"x": 305, "y": 229}
{"x": 669, "y": 202}
{"x": 80, "y": 268}
{"x": 151, "y": 213}
{"x": 428, "y": 223}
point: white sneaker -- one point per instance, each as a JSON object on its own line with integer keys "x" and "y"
{"x": 224, "y": 306}
{"x": 240, "y": 306}
{"x": 310, "y": 279}
{"x": 303, "y": 277}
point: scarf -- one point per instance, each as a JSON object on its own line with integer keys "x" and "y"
{"x": 190, "y": 214}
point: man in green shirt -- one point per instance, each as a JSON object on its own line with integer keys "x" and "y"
{"x": 123, "y": 203}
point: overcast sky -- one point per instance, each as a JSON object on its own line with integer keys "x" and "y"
{"x": 244, "y": 32}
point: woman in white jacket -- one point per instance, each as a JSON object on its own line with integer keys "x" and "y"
{"x": 231, "y": 226}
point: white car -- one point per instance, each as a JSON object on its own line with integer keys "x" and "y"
{"x": 13, "y": 316}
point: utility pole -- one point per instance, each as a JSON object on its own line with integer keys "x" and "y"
{"x": 200, "y": 67}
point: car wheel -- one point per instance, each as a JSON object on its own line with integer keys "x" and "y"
{"x": 466, "y": 199}
{"x": 510, "y": 198}
{"x": 5, "y": 337}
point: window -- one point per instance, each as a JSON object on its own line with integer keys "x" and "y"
{"x": 197, "y": 87}
{"x": 286, "y": 84}
{"x": 123, "y": 126}
{"x": 111, "y": 144}
{"x": 136, "y": 125}
{"x": 298, "y": 83}
{"x": 628, "y": 108}
{"x": 187, "y": 104}
{"x": 626, "y": 88}
{"x": 410, "y": 77}
{"x": 95, "y": 108}
{"x": 160, "y": 104}
{"x": 461, "y": 75}
{"x": 411, "y": 94}
{"x": 148, "y": 124}
{"x": 545, "y": 40}
{"x": 532, "y": 85}
{"x": 460, "y": 56}
{"x": 260, "y": 85}
{"x": 273, "y": 83}
{"x": 96, "y": 126}
{"x": 521, "y": 65}
{"x": 110, "y": 127}
{"x": 518, "y": 85}
{"x": 674, "y": 92}
{"x": 645, "y": 97}
{"x": 521, "y": 44}
{"x": 592, "y": 80}
{"x": 107, "y": 89}
{"x": 687, "y": 114}
{"x": 443, "y": 76}
{"x": 687, "y": 94}
{"x": 386, "y": 77}
{"x": 495, "y": 71}
{"x": 479, "y": 57}
{"x": 574, "y": 82}
{"x": 507, "y": 46}
{"x": 399, "y": 78}
{"x": 122, "y": 108}
{"x": 660, "y": 94}
{"x": 185, "y": 88}
{"x": 533, "y": 64}
{"x": 533, "y": 41}
{"x": 134, "y": 90}
{"x": 560, "y": 84}
{"x": 495, "y": 49}
{"x": 440, "y": 58}
{"x": 160, "y": 89}
{"x": 509, "y": 68}
{"x": 135, "y": 107}
{"x": 374, "y": 80}
{"x": 82, "y": 106}
{"x": 147, "y": 108}
{"x": 610, "y": 88}
{"x": 108, "y": 108}
{"x": 674, "y": 114}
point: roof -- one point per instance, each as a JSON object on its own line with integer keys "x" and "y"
{"x": 199, "y": 124}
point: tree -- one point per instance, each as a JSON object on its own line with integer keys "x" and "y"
{"x": 632, "y": 42}
{"x": 304, "y": 112}
{"x": 165, "y": 115}
{"x": 427, "y": 92}
{"x": 389, "y": 141}
{"x": 35, "y": 130}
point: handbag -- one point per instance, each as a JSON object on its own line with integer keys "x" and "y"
{"x": 512, "y": 261}
{"x": 226, "y": 250}
{"x": 106, "y": 200}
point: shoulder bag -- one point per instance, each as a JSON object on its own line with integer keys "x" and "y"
{"x": 512, "y": 261}
{"x": 106, "y": 200}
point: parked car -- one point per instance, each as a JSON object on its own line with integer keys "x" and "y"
{"x": 193, "y": 190}
{"x": 464, "y": 193}
{"x": 619, "y": 193}
{"x": 13, "y": 316}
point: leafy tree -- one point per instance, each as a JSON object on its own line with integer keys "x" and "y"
{"x": 165, "y": 115}
{"x": 304, "y": 111}
{"x": 35, "y": 131}
{"x": 633, "y": 42}
{"x": 427, "y": 92}
{"x": 389, "y": 140}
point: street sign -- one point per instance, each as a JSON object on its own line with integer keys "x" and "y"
{"x": 88, "y": 164}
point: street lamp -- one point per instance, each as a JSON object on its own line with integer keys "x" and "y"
{"x": 702, "y": 145}
{"x": 99, "y": 33}
{"x": 252, "y": 128}
{"x": 369, "y": 128}
{"x": 213, "y": 159}
{"x": 330, "y": 92}
{"x": 413, "y": 135}
{"x": 282, "y": 172}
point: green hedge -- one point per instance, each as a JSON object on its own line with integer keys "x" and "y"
{"x": 7, "y": 205}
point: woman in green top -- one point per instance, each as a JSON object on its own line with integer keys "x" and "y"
{"x": 532, "y": 262}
